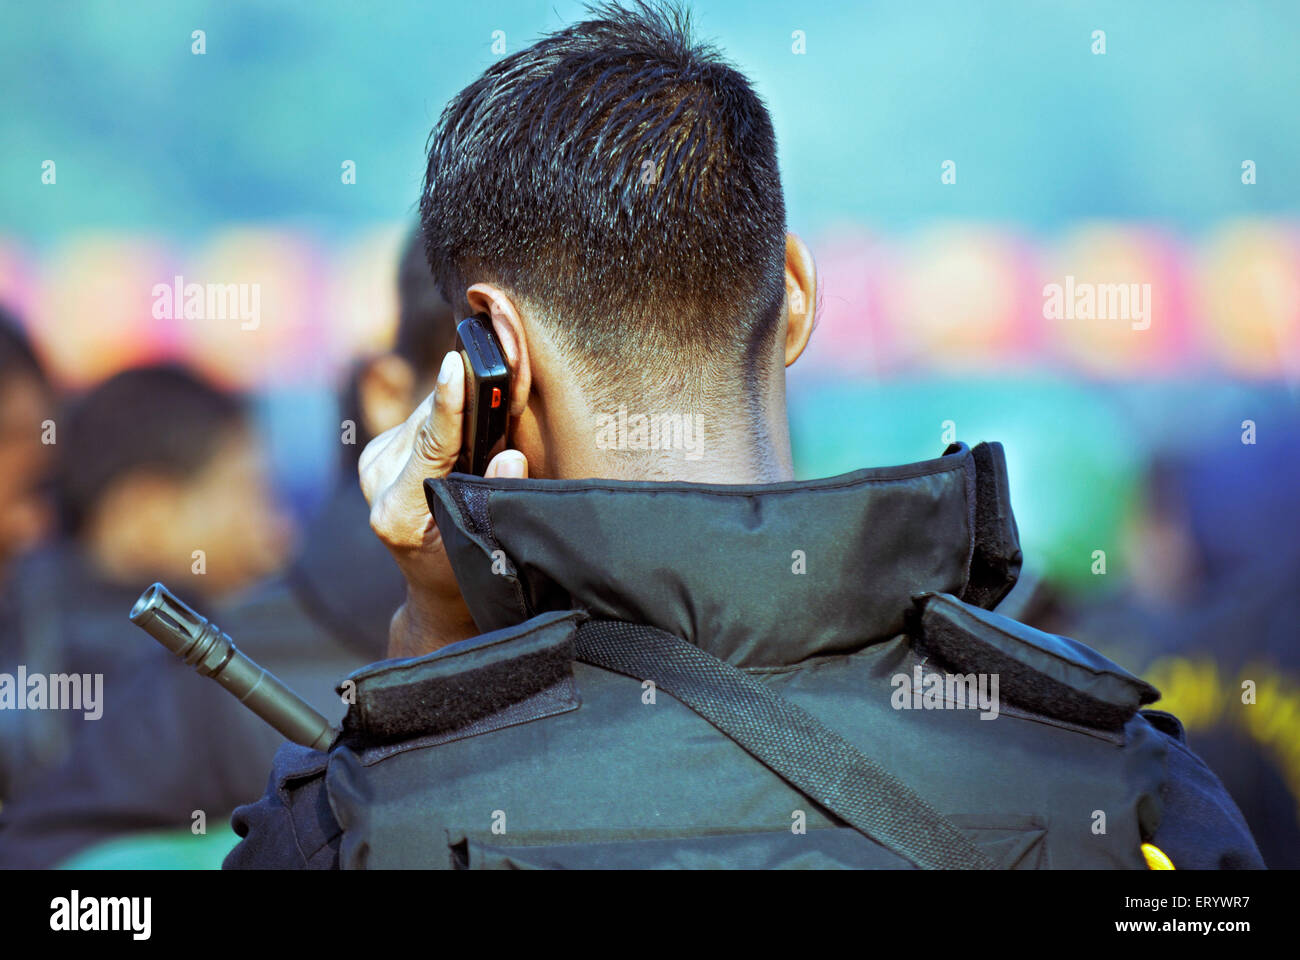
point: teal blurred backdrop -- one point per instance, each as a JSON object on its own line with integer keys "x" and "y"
{"x": 1126, "y": 164}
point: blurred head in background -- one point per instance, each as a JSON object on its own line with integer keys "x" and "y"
{"x": 26, "y": 402}
{"x": 161, "y": 478}
{"x": 385, "y": 389}
{"x": 1206, "y": 522}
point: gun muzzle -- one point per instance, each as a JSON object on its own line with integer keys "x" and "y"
{"x": 202, "y": 645}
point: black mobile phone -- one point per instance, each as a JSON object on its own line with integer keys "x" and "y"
{"x": 487, "y": 393}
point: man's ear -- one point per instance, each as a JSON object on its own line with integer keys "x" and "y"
{"x": 509, "y": 328}
{"x": 385, "y": 393}
{"x": 800, "y": 296}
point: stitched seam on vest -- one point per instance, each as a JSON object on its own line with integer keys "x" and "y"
{"x": 490, "y": 535}
{"x": 1020, "y": 713}
{"x": 536, "y": 628}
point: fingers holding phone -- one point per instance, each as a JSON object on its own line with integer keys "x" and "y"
{"x": 393, "y": 468}
{"x": 394, "y": 465}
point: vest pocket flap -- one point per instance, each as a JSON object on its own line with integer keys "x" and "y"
{"x": 1055, "y": 676}
{"x": 1012, "y": 842}
{"x": 463, "y": 684}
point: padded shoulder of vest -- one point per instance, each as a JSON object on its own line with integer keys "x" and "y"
{"x": 498, "y": 679}
{"x": 1042, "y": 672}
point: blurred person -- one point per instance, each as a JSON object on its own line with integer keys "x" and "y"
{"x": 26, "y": 406}
{"x": 156, "y": 465}
{"x": 176, "y": 742}
{"x": 1209, "y": 603}
{"x": 26, "y": 514}
{"x": 614, "y": 652}
{"x": 159, "y": 477}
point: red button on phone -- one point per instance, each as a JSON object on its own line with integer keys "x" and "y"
{"x": 496, "y": 397}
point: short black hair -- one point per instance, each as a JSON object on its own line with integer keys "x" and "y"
{"x": 17, "y": 358}
{"x": 622, "y": 179}
{"x": 161, "y": 417}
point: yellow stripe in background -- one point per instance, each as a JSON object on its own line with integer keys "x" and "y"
{"x": 1193, "y": 690}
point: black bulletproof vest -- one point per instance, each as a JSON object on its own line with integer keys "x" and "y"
{"x": 844, "y": 596}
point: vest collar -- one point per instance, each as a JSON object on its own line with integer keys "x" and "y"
{"x": 763, "y": 576}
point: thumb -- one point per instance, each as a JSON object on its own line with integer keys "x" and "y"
{"x": 437, "y": 440}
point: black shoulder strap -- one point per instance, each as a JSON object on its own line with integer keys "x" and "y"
{"x": 786, "y": 739}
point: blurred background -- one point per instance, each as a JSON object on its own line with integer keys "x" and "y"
{"x": 946, "y": 161}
